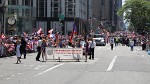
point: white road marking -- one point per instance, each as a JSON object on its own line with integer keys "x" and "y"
{"x": 99, "y": 47}
{"x": 8, "y": 78}
{"x": 112, "y": 63}
{"x": 19, "y": 73}
{"x": 36, "y": 68}
{"x": 142, "y": 55}
{"x": 49, "y": 69}
{"x": 12, "y": 75}
{"x": 39, "y": 66}
{"x": 31, "y": 65}
{"x": 1, "y": 75}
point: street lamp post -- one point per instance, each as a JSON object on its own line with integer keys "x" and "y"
{"x": 15, "y": 16}
{"x": 61, "y": 18}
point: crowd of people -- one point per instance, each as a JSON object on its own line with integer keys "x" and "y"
{"x": 21, "y": 45}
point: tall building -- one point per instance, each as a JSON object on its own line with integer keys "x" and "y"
{"x": 61, "y": 14}
{"x": 23, "y": 12}
{"x": 117, "y": 22}
{"x": 46, "y": 14}
{"x": 101, "y": 12}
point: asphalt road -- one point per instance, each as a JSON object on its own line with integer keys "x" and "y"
{"x": 118, "y": 66}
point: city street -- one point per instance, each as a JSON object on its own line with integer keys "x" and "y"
{"x": 118, "y": 66}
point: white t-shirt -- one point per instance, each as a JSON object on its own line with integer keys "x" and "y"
{"x": 39, "y": 43}
{"x": 92, "y": 44}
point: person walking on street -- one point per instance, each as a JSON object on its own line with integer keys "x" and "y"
{"x": 86, "y": 49}
{"x": 92, "y": 45}
{"x": 43, "y": 49}
{"x": 131, "y": 44}
{"x": 111, "y": 42}
{"x": 39, "y": 48}
{"x": 23, "y": 47}
{"x": 18, "y": 51}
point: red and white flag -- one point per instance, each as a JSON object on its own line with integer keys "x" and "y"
{"x": 2, "y": 36}
{"x": 25, "y": 34}
{"x": 50, "y": 31}
{"x": 39, "y": 31}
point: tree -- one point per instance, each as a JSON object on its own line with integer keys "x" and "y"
{"x": 137, "y": 13}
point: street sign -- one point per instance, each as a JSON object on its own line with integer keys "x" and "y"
{"x": 61, "y": 17}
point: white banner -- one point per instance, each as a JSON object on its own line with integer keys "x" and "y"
{"x": 64, "y": 53}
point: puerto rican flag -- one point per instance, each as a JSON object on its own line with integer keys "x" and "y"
{"x": 39, "y": 31}
{"x": 74, "y": 32}
{"x": 25, "y": 34}
{"x": 2, "y": 36}
{"x": 50, "y": 31}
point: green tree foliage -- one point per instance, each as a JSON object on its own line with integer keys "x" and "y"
{"x": 137, "y": 13}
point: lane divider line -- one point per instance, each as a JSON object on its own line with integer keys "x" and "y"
{"x": 112, "y": 63}
{"x": 49, "y": 69}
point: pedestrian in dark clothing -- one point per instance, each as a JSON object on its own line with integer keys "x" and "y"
{"x": 92, "y": 45}
{"x": 111, "y": 42}
{"x": 86, "y": 49}
{"x": 23, "y": 47}
{"x": 39, "y": 48}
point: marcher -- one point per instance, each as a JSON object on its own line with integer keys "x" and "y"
{"x": 23, "y": 47}
{"x": 92, "y": 45}
{"x": 39, "y": 48}
{"x": 43, "y": 50}
{"x": 86, "y": 49}
{"x": 111, "y": 42}
{"x": 131, "y": 44}
{"x": 78, "y": 44}
{"x": 18, "y": 51}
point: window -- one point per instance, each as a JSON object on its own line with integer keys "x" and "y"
{"x": 55, "y": 5}
{"x": 32, "y": 3}
{"x": 13, "y": 2}
{"x": 55, "y": 13}
{"x": 27, "y": 2}
{"x": 42, "y": 8}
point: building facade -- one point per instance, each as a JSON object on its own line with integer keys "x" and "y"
{"x": 117, "y": 22}
{"x": 101, "y": 13}
{"x": 24, "y": 13}
{"x": 60, "y": 15}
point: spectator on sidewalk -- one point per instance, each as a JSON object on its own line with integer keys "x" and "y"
{"x": 1, "y": 48}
